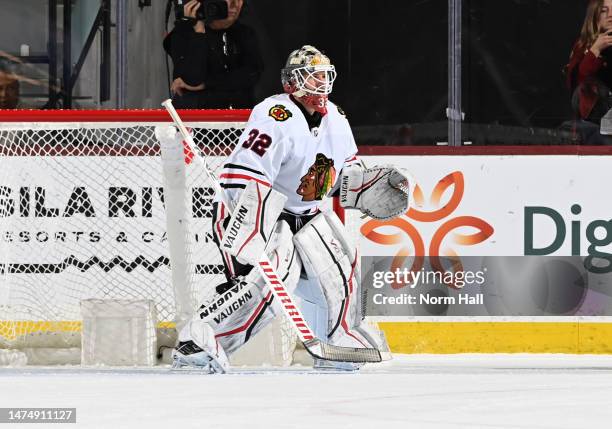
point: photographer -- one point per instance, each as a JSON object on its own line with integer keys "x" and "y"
{"x": 216, "y": 61}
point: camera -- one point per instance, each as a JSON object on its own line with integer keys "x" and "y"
{"x": 210, "y": 10}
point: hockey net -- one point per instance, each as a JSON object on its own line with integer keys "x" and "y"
{"x": 82, "y": 218}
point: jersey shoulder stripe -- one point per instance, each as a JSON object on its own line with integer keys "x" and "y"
{"x": 244, "y": 177}
{"x": 233, "y": 185}
{"x": 231, "y": 166}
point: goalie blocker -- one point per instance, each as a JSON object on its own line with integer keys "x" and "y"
{"x": 327, "y": 292}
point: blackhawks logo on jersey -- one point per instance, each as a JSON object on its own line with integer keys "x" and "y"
{"x": 280, "y": 113}
{"x": 319, "y": 179}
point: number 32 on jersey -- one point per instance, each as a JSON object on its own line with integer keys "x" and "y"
{"x": 257, "y": 142}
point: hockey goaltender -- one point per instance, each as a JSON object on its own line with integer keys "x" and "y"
{"x": 296, "y": 149}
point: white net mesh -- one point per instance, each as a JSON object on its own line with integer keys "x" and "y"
{"x": 82, "y": 217}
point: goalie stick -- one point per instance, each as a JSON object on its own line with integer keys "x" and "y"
{"x": 313, "y": 345}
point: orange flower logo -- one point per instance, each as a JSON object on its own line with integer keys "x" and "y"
{"x": 407, "y": 233}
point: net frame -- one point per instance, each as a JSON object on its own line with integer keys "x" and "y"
{"x": 38, "y": 126}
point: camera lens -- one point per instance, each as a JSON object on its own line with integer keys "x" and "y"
{"x": 213, "y": 9}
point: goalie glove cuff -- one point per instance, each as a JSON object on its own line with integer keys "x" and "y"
{"x": 380, "y": 192}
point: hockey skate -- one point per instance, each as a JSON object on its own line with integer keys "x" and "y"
{"x": 198, "y": 348}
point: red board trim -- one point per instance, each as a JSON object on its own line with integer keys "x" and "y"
{"x": 134, "y": 115}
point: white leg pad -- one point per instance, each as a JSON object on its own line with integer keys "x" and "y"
{"x": 212, "y": 356}
{"x": 313, "y": 305}
{"x": 330, "y": 259}
{"x": 240, "y": 313}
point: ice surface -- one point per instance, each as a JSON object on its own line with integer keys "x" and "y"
{"x": 415, "y": 391}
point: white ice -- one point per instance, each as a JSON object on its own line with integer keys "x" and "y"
{"x": 413, "y": 391}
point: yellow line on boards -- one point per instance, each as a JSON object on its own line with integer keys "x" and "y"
{"x": 432, "y": 337}
{"x": 11, "y": 330}
{"x": 498, "y": 337}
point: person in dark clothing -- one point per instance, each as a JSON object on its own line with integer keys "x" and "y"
{"x": 216, "y": 64}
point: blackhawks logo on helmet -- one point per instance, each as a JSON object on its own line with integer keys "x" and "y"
{"x": 280, "y": 113}
{"x": 319, "y": 179}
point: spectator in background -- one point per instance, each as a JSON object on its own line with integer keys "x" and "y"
{"x": 216, "y": 64}
{"x": 9, "y": 89}
{"x": 589, "y": 72}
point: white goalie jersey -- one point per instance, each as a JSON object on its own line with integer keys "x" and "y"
{"x": 278, "y": 149}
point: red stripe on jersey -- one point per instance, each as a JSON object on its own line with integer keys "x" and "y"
{"x": 243, "y": 176}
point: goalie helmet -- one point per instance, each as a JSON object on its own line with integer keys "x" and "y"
{"x": 309, "y": 76}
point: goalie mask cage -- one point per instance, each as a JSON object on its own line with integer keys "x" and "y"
{"x": 82, "y": 218}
